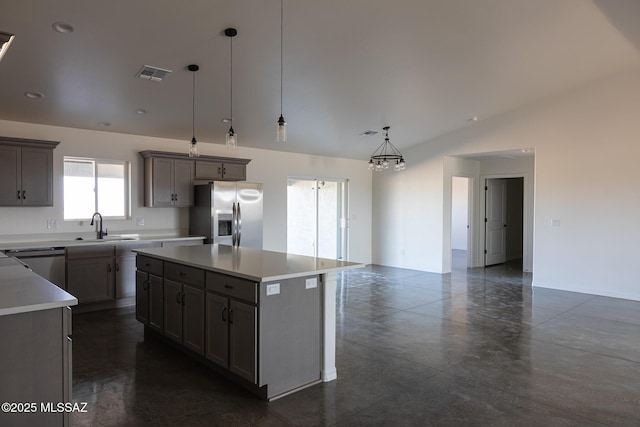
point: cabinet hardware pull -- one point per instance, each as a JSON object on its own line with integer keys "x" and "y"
{"x": 19, "y": 197}
{"x": 24, "y": 194}
{"x": 178, "y": 297}
{"x": 228, "y": 286}
{"x": 224, "y": 309}
{"x": 145, "y": 285}
{"x": 231, "y": 315}
{"x": 108, "y": 268}
{"x": 181, "y": 274}
{"x": 146, "y": 264}
{"x": 219, "y": 171}
{"x": 117, "y": 267}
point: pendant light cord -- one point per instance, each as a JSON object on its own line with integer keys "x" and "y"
{"x": 231, "y": 73}
{"x": 281, "y": 49}
{"x": 193, "y": 107}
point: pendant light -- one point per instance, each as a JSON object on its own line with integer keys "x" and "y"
{"x": 231, "y": 137}
{"x": 193, "y": 147}
{"x": 385, "y": 154}
{"x": 281, "y": 134}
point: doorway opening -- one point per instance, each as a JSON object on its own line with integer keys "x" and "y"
{"x": 316, "y": 217}
{"x": 460, "y": 222}
{"x": 504, "y": 221}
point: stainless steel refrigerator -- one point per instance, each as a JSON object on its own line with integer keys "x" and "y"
{"x": 228, "y": 212}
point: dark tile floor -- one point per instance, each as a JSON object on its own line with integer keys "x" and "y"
{"x": 474, "y": 347}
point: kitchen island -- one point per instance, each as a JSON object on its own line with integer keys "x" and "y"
{"x": 35, "y": 361}
{"x": 263, "y": 319}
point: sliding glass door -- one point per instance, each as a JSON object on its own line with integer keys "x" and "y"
{"x": 316, "y": 217}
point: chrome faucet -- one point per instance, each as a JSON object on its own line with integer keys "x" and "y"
{"x": 100, "y": 234}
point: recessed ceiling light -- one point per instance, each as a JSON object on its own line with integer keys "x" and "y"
{"x": 369, "y": 133}
{"x": 104, "y": 124}
{"x": 226, "y": 120}
{"x": 526, "y": 150}
{"x": 62, "y": 27}
{"x": 34, "y": 95}
{"x": 141, "y": 111}
{"x": 472, "y": 119}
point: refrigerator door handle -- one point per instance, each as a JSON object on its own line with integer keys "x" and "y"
{"x": 239, "y": 224}
{"x": 234, "y": 225}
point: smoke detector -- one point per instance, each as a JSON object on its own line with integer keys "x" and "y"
{"x": 154, "y": 74}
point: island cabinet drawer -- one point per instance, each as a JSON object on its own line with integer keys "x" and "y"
{"x": 183, "y": 274}
{"x": 233, "y": 286}
{"x": 149, "y": 265}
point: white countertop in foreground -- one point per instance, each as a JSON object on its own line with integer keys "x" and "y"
{"x": 247, "y": 263}
{"x": 22, "y": 290}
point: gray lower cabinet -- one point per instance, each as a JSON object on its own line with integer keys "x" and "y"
{"x": 231, "y": 335}
{"x": 149, "y": 300}
{"x": 184, "y": 306}
{"x": 150, "y": 293}
{"x": 125, "y": 267}
{"x": 90, "y": 273}
{"x": 35, "y": 366}
{"x": 243, "y": 340}
{"x": 268, "y": 342}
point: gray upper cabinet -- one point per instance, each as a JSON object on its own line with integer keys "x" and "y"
{"x": 169, "y": 177}
{"x": 26, "y": 172}
{"x": 221, "y": 171}
{"x": 168, "y": 182}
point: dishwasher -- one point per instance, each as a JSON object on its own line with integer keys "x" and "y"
{"x": 46, "y": 262}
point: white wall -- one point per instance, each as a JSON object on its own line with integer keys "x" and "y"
{"x": 269, "y": 167}
{"x": 586, "y": 176}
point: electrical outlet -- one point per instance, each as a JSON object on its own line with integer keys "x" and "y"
{"x": 273, "y": 289}
{"x": 311, "y": 283}
{"x": 139, "y": 222}
{"x": 52, "y": 224}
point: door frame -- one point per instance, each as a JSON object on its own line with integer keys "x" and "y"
{"x": 526, "y": 243}
{"x": 344, "y": 222}
{"x": 470, "y": 216}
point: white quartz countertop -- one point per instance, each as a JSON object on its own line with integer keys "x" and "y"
{"x": 22, "y": 290}
{"x": 108, "y": 239}
{"x": 247, "y": 263}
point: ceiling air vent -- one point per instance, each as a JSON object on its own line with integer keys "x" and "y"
{"x": 152, "y": 73}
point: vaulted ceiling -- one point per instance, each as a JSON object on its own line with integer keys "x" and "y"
{"x": 424, "y": 67}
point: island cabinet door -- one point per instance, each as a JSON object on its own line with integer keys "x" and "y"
{"x": 142, "y": 297}
{"x": 242, "y": 340}
{"x": 217, "y": 329}
{"x": 156, "y": 303}
{"x": 193, "y": 318}
{"x": 173, "y": 310}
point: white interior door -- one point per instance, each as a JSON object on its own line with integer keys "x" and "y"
{"x": 495, "y": 221}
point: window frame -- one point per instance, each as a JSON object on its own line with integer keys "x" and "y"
{"x": 98, "y": 161}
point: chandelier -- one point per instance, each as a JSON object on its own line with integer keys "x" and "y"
{"x": 386, "y": 154}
